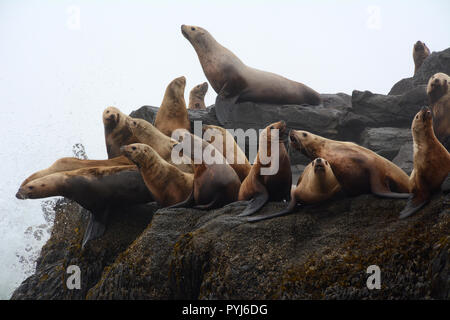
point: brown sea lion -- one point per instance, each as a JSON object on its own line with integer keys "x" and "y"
{"x": 197, "y": 97}
{"x": 68, "y": 164}
{"x": 259, "y": 186}
{"x": 227, "y": 145}
{"x": 439, "y": 97}
{"x": 97, "y": 189}
{"x": 420, "y": 53}
{"x": 215, "y": 182}
{"x": 172, "y": 113}
{"x": 168, "y": 184}
{"x": 431, "y": 163}
{"x": 117, "y": 133}
{"x": 316, "y": 184}
{"x": 235, "y": 82}
{"x": 358, "y": 170}
{"x": 146, "y": 133}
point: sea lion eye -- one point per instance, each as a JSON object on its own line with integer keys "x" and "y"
{"x": 192, "y": 28}
{"x": 30, "y": 187}
{"x": 271, "y": 127}
{"x": 134, "y": 148}
{"x": 305, "y": 135}
{"x": 417, "y": 117}
{"x": 134, "y": 122}
{"x": 107, "y": 111}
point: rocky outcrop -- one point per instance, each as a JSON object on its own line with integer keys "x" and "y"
{"x": 436, "y": 62}
{"x": 319, "y": 252}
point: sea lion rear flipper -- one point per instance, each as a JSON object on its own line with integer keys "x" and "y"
{"x": 414, "y": 204}
{"x": 289, "y": 209}
{"x": 184, "y": 204}
{"x": 255, "y": 204}
{"x": 382, "y": 190}
{"x": 96, "y": 227}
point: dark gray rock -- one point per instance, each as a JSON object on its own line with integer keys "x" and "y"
{"x": 436, "y": 62}
{"x": 389, "y": 111}
{"x": 386, "y": 141}
{"x": 64, "y": 249}
{"x": 404, "y": 158}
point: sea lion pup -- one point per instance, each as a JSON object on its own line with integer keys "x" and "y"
{"x": 97, "y": 189}
{"x": 270, "y": 177}
{"x": 148, "y": 134}
{"x": 235, "y": 82}
{"x": 227, "y": 145}
{"x": 431, "y": 163}
{"x": 68, "y": 164}
{"x": 168, "y": 184}
{"x": 439, "y": 99}
{"x": 172, "y": 113}
{"x": 357, "y": 169}
{"x": 117, "y": 133}
{"x": 215, "y": 182}
{"x": 420, "y": 53}
{"x": 197, "y": 97}
{"x": 316, "y": 184}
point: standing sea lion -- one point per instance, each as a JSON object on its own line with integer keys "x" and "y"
{"x": 439, "y": 98}
{"x": 68, "y": 164}
{"x": 316, "y": 184}
{"x": 358, "y": 170}
{"x": 215, "y": 182}
{"x": 172, "y": 113}
{"x": 117, "y": 133}
{"x": 197, "y": 97}
{"x": 97, "y": 189}
{"x": 259, "y": 188}
{"x": 168, "y": 184}
{"x": 227, "y": 145}
{"x": 420, "y": 53}
{"x": 431, "y": 163}
{"x": 235, "y": 82}
{"x": 147, "y": 134}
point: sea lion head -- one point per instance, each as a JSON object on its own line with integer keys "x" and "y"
{"x": 111, "y": 117}
{"x": 200, "y": 90}
{"x": 423, "y": 122}
{"x": 419, "y": 46}
{"x": 267, "y": 132}
{"x": 140, "y": 154}
{"x": 195, "y": 35}
{"x": 41, "y": 188}
{"x": 305, "y": 142}
{"x": 320, "y": 166}
{"x": 136, "y": 125}
{"x": 437, "y": 86}
{"x": 175, "y": 89}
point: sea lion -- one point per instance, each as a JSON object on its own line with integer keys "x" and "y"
{"x": 234, "y": 82}
{"x": 68, "y": 164}
{"x": 148, "y": 134}
{"x": 260, "y": 188}
{"x": 97, "y": 189}
{"x": 117, "y": 133}
{"x": 439, "y": 99}
{"x": 316, "y": 184}
{"x": 357, "y": 169}
{"x": 215, "y": 182}
{"x": 197, "y": 97}
{"x": 227, "y": 145}
{"x": 420, "y": 53}
{"x": 168, "y": 184}
{"x": 172, "y": 113}
{"x": 431, "y": 163}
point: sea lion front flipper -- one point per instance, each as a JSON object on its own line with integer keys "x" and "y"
{"x": 184, "y": 204}
{"x": 96, "y": 227}
{"x": 414, "y": 204}
{"x": 222, "y": 105}
{"x": 289, "y": 209}
{"x": 445, "y": 187}
{"x": 208, "y": 206}
{"x": 382, "y": 190}
{"x": 256, "y": 203}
